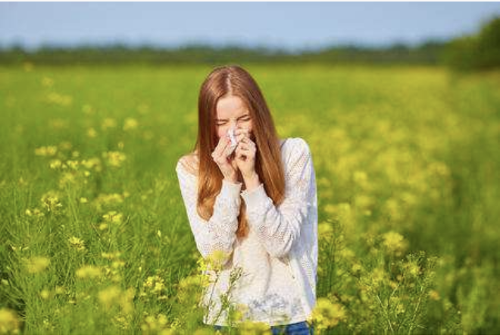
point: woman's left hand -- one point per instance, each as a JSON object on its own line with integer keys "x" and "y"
{"x": 245, "y": 158}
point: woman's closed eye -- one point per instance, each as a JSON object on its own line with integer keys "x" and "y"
{"x": 221, "y": 123}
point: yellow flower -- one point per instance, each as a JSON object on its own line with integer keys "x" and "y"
{"x": 45, "y": 294}
{"x": 59, "y": 99}
{"x": 188, "y": 286}
{"x": 93, "y": 162}
{"x": 113, "y": 217}
{"x": 55, "y": 164}
{"x": 91, "y": 132}
{"x": 46, "y": 151}
{"x": 36, "y": 212}
{"x": 393, "y": 208}
{"x": 109, "y": 296}
{"x": 216, "y": 259}
{"x": 115, "y": 158}
{"x": 326, "y": 314}
{"x": 108, "y": 123}
{"x": 412, "y": 268}
{"x": 378, "y": 276}
{"x": 394, "y": 243}
{"x": 434, "y": 295}
{"x": 37, "y": 264}
{"x": 72, "y": 164}
{"x": 9, "y": 322}
{"x": 356, "y": 268}
{"x": 157, "y": 324}
{"x": 111, "y": 255}
{"x": 50, "y": 201}
{"x": 360, "y": 177}
{"x": 77, "y": 243}
{"x": 325, "y": 230}
{"x": 67, "y": 178}
{"x": 130, "y": 124}
{"x": 107, "y": 199}
{"x": 88, "y": 271}
{"x": 47, "y": 82}
{"x": 249, "y": 328}
{"x": 155, "y": 284}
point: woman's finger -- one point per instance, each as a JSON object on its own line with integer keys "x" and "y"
{"x": 245, "y": 150}
{"x": 228, "y": 150}
{"x": 242, "y": 131}
{"x": 219, "y": 149}
{"x": 248, "y": 143}
{"x": 240, "y": 137}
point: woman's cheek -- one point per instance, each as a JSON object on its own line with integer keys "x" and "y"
{"x": 220, "y": 131}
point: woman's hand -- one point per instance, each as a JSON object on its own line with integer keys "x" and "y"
{"x": 245, "y": 160}
{"x": 226, "y": 165}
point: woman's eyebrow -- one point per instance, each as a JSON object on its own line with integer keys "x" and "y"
{"x": 246, "y": 114}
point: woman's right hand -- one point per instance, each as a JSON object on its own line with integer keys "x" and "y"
{"x": 227, "y": 165}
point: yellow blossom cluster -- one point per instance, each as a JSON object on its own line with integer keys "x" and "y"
{"x": 46, "y": 151}
{"x": 76, "y": 243}
{"x": 216, "y": 259}
{"x": 155, "y": 286}
{"x": 248, "y": 327}
{"x": 325, "y": 230}
{"x": 37, "y": 264}
{"x": 50, "y": 201}
{"x": 108, "y": 122}
{"x": 111, "y": 255}
{"x": 130, "y": 124}
{"x": 394, "y": 243}
{"x": 113, "y": 217}
{"x": 326, "y": 314}
{"x": 9, "y": 322}
{"x": 109, "y": 199}
{"x": 36, "y": 212}
{"x": 92, "y": 163}
{"x": 114, "y": 296}
{"x": 190, "y": 287}
{"x": 154, "y": 324}
{"x": 89, "y": 271}
{"x": 114, "y": 158}
{"x": 59, "y": 99}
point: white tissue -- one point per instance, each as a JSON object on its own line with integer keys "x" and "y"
{"x": 234, "y": 143}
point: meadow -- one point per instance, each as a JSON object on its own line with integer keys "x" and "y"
{"x": 94, "y": 237}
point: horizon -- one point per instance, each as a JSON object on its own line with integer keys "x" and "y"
{"x": 321, "y": 25}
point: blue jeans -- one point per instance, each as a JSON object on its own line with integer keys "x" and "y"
{"x": 299, "y": 328}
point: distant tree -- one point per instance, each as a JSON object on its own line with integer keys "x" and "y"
{"x": 475, "y": 52}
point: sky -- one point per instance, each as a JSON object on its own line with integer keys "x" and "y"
{"x": 291, "y": 26}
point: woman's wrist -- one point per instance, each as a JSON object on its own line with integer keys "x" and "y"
{"x": 252, "y": 181}
{"x": 232, "y": 179}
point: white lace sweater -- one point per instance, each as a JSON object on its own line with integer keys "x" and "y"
{"x": 279, "y": 256}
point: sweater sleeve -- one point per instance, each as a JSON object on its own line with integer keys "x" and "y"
{"x": 278, "y": 228}
{"x": 218, "y": 232}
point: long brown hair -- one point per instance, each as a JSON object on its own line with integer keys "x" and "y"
{"x": 236, "y": 81}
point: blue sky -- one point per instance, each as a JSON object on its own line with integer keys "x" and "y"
{"x": 287, "y": 25}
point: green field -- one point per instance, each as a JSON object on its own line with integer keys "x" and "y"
{"x": 94, "y": 236}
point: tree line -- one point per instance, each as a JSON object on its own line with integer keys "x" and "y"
{"x": 477, "y": 51}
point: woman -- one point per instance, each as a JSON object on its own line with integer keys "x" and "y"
{"x": 251, "y": 197}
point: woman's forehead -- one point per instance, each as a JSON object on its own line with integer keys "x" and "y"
{"x": 230, "y": 107}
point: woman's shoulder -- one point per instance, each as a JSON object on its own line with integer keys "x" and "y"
{"x": 188, "y": 164}
{"x": 295, "y": 146}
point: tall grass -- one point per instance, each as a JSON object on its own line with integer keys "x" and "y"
{"x": 94, "y": 235}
